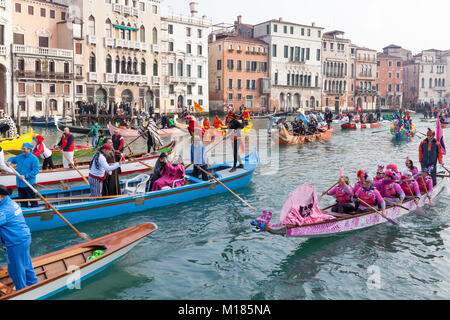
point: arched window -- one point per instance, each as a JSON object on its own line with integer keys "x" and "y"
{"x": 117, "y": 64}
{"x": 108, "y": 64}
{"x": 155, "y": 36}
{"x": 123, "y": 68}
{"x": 92, "y": 63}
{"x": 155, "y": 68}
{"x": 108, "y": 29}
{"x": 91, "y": 26}
{"x": 423, "y": 82}
{"x": 129, "y": 66}
{"x": 128, "y": 32}
{"x": 143, "y": 67}
{"x": 135, "y": 66}
{"x": 180, "y": 68}
{"x": 142, "y": 34}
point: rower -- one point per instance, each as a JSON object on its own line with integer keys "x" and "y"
{"x": 67, "y": 146}
{"x": 371, "y": 196}
{"x": 411, "y": 168}
{"x": 390, "y": 189}
{"x": 428, "y": 186}
{"x": 98, "y": 170}
{"x": 218, "y": 123}
{"x": 245, "y": 116}
{"x": 343, "y": 193}
{"x": 393, "y": 168}
{"x": 380, "y": 175}
{"x": 206, "y": 124}
{"x": 362, "y": 176}
{"x": 45, "y": 153}
{"x": 118, "y": 144}
{"x": 409, "y": 184}
{"x": 16, "y": 237}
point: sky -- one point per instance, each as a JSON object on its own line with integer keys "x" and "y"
{"x": 415, "y": 25}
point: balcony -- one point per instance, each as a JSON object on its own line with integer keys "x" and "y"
{"x": 92, "y": 76}
{"x": 366, "y": 92}
{"x": 135, "y": 12}
{"x": 44, "y": 75}
{"x": 109, "y": 77}
{"x": 48, "y": 52}
{"x": 126, "y": 10}
{"x": 136, "y": 78}
{"x": 128, "y": 44}
{"x": 117, "y": 7}
{"x": 2, "y": 50}
{"x": 143, "y": 46}
{"x": 191, "y": 80}
{"x": 91, "y": 40}
{"x": 155, "y": 48}
{"x": 109, "y": 42}
{"x": 155, "y": 80}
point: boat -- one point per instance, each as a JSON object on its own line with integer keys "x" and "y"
{"x": 55, "y": 271}
{"x": 178, "y": 124}
{"x": 263, "y": 116}
{"x": 131, "y": 133}
{"x": 134, "y": 163}
{"x": 78, "y": 210}
{"x": 213, "y": 132}
{"x": 84, "y": 150}
{"x": 16, "y": 143}
{"x": 79, "y": 129}
{"x": 50, "y": 122}
{"x": 361, "y": 126}
{"x": 284, "y": 137}
{"x": 340, "y": 225}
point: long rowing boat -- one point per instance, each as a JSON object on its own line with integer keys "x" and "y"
{"x": 133, "y": 163}
{"x": 345, "y": 224}
{"x": 86, "y": 150}
{"x": 78, "y": 210}
{"x": 361, "y": 126}
{"x": 285, "y": 137}
{"x": 16, "y": 143}
{"x": 55, "y": 270}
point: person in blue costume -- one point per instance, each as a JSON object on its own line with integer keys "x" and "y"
{"x": 28, "y": 168}
{"x": 15, "y": 236}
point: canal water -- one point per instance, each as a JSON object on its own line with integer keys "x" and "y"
{"x": 205, "y": 249}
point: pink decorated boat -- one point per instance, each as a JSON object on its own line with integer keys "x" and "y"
{"x": 325, "y": 224}
{"x": 131, "y": 133}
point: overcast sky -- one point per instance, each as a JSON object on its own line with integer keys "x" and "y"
{"x": 414, "y": 25}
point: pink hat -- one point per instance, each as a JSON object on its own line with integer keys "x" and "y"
{"x": 389, "y": 173}
{"x": 392, "y": 166}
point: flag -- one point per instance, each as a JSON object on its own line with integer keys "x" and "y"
{"x": 197, "y": 107}
{"x": 341, "y": 172}
{"x": 440, "y": 135}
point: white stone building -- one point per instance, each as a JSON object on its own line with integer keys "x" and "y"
{"x": 5, "y": 58}
{"x": 295, "y": 55}
{"x": 184, "y": 60}
{"x": 432, "y": 76}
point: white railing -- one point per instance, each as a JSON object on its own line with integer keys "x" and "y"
{"x": 155, "y": 48}
{"x": 173, "y": 79}
{"x": 144, "y": 79}
{"x": 43, "y": 51}
{"x": 127, "y": 10}
{"x": 3, "y": 3}
{"x": 155, "y": 80}
{"x": 120, "y": 77}
{"x": 109, "y": 77}
{"x": 143, "y": 46}
{"x": 128, "y": 44}
{"x": 91, "y": 39}
{"x": 92, "y": 76}
{"x": 136, "y": 12}
{"x": 109, "y": 42}
{"x": 117, "y": 7}
{"x": 189, "y": 20}
{"x": 2, "y": 50}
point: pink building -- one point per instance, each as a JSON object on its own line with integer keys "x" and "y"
{"x": 389, "y": 81}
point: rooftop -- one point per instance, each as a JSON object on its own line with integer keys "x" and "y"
{"x": 280, "y": 20}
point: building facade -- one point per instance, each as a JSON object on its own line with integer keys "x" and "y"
{"x": 42, "y": 64}
{"x": 336, "y": 64}
{"x": 389, "y": 81}
{"x": 238, "y": 73}
{"x": 5, "y": 58}
{"x": 117, "y": 55}
{"x": 365, "y": 79}
{"x": 295, "y": 63}
{"x": 185, "y": 61}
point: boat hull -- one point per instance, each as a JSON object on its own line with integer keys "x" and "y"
{"x": 284, "y": 137}
{"x": 130, "y": 133}
{"x": 11, "y": 144}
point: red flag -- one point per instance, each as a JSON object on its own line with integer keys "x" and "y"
{"x": 440, "y": 135}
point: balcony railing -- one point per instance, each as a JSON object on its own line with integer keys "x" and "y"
{"x": 2, "y": 50}
{"x": 109, "y": 77}
{"x": 44, "y": 75}
{"x": 366, "y": 92}
{"x": 92, "y": 76}
{"x": 155, "y": 48}
{"x": 117, "y": 7}
{"x": 61, "y": 53}
{"x": 155, "y": 80}
{"x": 128, "y": 44}
{"x": 122, "y": 77}
{"x": 91, "y": 40}
{"x": 109, "y": 42}
{"x": 135, "y": 12}
{"x": 127, "y": 10}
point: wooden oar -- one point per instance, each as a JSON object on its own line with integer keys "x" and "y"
{"x": 445, "y": 168}
{"x": 75, "y": 167}
{"x": 320, "y": 196}
{"x": 83, "y": 154}
{"x": 50, "y": 205}
{"x": 143, "y": 163}
{"x": 397, "y": 205}
{"x": 209, "y": 174}
{"x": 426, "y": 190}
{"x": 380, "y": 213}
{"x": 75, "y": 198}
{"x": 419, "y": 210}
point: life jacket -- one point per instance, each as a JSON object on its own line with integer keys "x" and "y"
{"x": 65, "y": 140}
{"x": 368, "y": 196}
{"x": 421, "y": 185}
{"x": 217, "y": 123}
{"x": 206, "y": 124}
{"x": 246, "y": 115}
{"x": 390, "y": 191}
{"x": 341, "y": 196}
{"x": 408, "y": 190}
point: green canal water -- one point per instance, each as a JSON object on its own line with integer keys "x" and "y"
{"x": 205, "y": 249}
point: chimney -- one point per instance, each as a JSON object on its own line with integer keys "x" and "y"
{"x": 194, "y": 8}
{"x": 280, "y": 19}
{"x": 239, "y": 19}
{"x": 313, "y": 24}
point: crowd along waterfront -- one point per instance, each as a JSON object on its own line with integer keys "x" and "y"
{"x": 205, "y": 248}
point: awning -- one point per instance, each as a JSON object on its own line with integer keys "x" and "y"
{"x": 125, "y": 28}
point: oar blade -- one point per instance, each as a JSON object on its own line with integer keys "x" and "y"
{"x": 421, "y": 212}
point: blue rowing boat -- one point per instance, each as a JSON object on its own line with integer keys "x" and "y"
{"x": 81, "y": 210}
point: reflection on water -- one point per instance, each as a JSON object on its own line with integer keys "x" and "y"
{"x": 206, "y": 250}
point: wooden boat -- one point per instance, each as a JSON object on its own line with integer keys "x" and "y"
{"x": 286, "y": 137}
{"x": 371, "y": 125}
{"x": 354, "y": 126}
{"x": 80, "y": 210}
{"x": 349, "y": 223}
{"x": 16, "y": 143}
{"x": 41, "y": 122}
{"x": 79, "y": 129}
{"x": 131, "y": 165}
{"x": 131, "y": 133}
{"x": 56, "y": 270}
{"x": 351, "y": 126}
{"x": 57, "y": 155}
{"x": 178, "y": 124}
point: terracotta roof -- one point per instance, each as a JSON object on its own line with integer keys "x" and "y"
{"x": 392, "y": 46}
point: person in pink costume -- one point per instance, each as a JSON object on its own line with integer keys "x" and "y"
{"x": 169, "y": 174}
{"x": 371, "y": 196}
{"x": 362, "y": 176}
{"x": 410, "y": 166}
{"x": 394, "y": 169}
{"x": 409, "y": 184}
{"x": 424, "y": 177}
{"x": 343, "y": 193}
{"x": 390, "y": 189}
